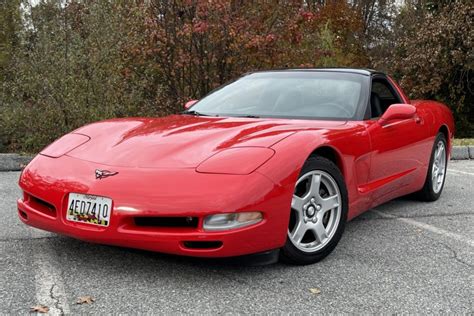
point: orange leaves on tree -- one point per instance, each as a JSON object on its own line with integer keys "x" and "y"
{"x": 194, "y": 46}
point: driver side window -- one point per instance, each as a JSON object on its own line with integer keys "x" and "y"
{"x": 381, "y": 97}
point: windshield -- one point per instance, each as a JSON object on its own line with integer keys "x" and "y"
{"x": 298, "y": 94}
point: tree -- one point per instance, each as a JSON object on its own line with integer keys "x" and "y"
{"x": 10, "y": 25}
{"x": 195, "y": 46}
{"x": 70, "y": 62}
{"x": 68, "y": 70}
{"x": 434, "y": 59}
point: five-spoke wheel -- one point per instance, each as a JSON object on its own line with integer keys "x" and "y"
{"x": 318, "y": 212}
{"x": 436, "y": 174}
{"x": 439, "y": 166}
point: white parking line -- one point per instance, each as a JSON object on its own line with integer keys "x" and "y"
{"x": 459, "y": 171}
{"x": 48, "y": 281}
{"x": 427, "y": 227}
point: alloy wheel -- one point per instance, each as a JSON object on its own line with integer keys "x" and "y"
{"x": 439, "y": 167}
{"x": 316, "y": 211}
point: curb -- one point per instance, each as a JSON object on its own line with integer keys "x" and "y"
{"x": 16, "y": 162}
{"x": 13, "y": 162}
{"x": 462, "y": 153}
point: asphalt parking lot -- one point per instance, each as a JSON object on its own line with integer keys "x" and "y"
{"x": 405, "y": 256}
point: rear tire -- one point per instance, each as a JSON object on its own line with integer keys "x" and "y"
{"x": 436, "y": 176}
{"x": 318, "y": 213}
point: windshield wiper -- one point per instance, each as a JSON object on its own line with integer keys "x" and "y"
{"x": 195, "y": 113}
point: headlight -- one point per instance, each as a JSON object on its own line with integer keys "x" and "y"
{"x": 64, "y": 145}
{"x": 238, "y": 160}
{"x": 231, "y": 220}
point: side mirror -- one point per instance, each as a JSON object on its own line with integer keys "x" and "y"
{"x": 189, "y": 104}
{"x": 397, "y": 112}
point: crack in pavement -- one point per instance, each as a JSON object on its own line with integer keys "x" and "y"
{"x": 455, "y": 254}
{"x": 57, "y": 304}
{"x": 49, "y": 282}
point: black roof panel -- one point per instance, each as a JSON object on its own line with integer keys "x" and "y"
{"x": 361, "y": 71}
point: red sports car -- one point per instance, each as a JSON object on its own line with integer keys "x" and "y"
{"x": 273, "y": 163}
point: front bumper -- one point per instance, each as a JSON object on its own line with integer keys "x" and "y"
{"x": 140, "y": 192}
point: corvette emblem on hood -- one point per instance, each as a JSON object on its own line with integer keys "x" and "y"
{"x": 100, "y": 174}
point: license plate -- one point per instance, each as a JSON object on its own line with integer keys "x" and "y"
{"x": 91, "y": 209}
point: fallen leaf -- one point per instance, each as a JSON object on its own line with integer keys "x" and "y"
{"x": 85, "y": 299}
{"x": 315, "y": 291}
{"x": 40, "y": 309}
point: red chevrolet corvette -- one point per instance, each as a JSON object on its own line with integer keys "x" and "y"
{"x": 273, "y": 163}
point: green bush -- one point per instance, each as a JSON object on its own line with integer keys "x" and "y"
{"x": 68, "y": 72}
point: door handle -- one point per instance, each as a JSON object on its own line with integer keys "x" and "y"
{"x": 418, "y": 120}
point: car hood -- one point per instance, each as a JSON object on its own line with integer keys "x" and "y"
{"x": 181, "y": 141}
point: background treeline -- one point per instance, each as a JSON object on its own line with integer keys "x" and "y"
{"x": 64, "y": 63}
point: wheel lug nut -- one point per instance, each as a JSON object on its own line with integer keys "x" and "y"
{"x": 310, "y": 211}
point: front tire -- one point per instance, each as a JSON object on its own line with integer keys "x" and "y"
{"x": 318, "y": 213}
{"x": 436, "y": 176}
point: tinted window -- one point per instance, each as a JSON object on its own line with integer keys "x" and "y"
{"x": 323, "y": 95}
{"x": 382, "y": 96}
{"x": 382, "y": 90}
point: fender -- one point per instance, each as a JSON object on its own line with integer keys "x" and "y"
{"x": 438, "y": 118}
{"x": 353, "y": 155}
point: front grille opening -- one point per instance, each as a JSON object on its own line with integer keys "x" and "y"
{"x": 41, "y": 205}
{"x": 202, "y": 244}
{"x": 23, "y": 214}
{"x": 185, "y": 221}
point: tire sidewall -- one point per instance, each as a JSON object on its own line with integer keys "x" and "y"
{"x": 429, "y": 180}
{"x": 293, "y": 254}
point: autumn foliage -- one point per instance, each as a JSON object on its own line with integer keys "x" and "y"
{"x": 437, "y": 61}
{"x": 195, "y": 46}
{"x": 67, "y": 63}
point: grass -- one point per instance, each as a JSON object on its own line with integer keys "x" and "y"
{"x": 463, "y": 142}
